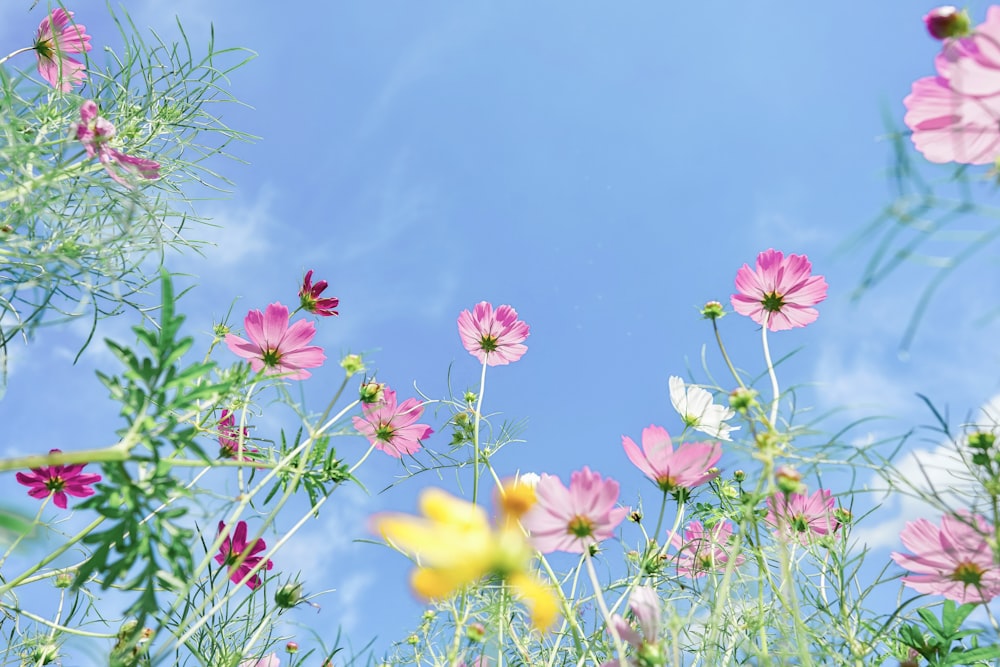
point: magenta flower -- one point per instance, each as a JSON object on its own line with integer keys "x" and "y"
{"x": 58, "y": 481}
{"x": 229, "y": 438}
{"x": 497, "y": 337}
{"x": 309, "y": 295}
{"x": 954, "y": 115}
{"x": 392, "y": 428}
{"x": 234, "y": 547}
{"x": 673, "y": 471}
{"x": 700, "y": 551}
{"x": 780, "y": 293}
{"x": 802, "y": 516}
{"x": 57, "y": 35}
{"x": 573, "y": 519}
{"x": 95, "y": 133}
{"x": 955, "y": 560}
{"x": 276, "y": 348}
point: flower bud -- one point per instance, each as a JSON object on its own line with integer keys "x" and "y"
{"x": 842, "y": 517}
{"x": 470, "y": 397}
{"x": 948, "y": 21}
{"x": 981, "y": 440}
{"x": 635, "y": 516}
{"x": 372, "y": 392}
{"x": 739, "y": 476}
{"x": 789, "y": 480}
{"x": 475, "y": 632}
{"x": 742, "y": 399}
{"x": 413, "y": 640}
{"x": 352, "y": 364}
{"x": 292, "y": 647}
{"x": 65, "y": 579}
{"x": 288, "y": 595}
{"x": 712, "y": 310}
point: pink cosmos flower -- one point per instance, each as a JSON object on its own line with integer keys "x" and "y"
{"x": 94, "y": 132}
{"x": 673, "y": 471}
{"x": 58, "y": 481}
{"x": 392, "y": 428}
{"x": 269, "y": 660}
{"x": 229, "y": 438}
{"x": 572, "y": 519}
{"x": 57, "y": 35}
{"x": 780, "y": 292}
{"x": 802, "y": 516}
{"x": 309, "y": 295}
{"x": 235, "y": 545}
{"x": 497, "y": 337}
{"x": 955, "y": 116}
{"x": 700, "y": 551}
{"x": 276, "y": 348}
{"x": 953, "y": 560}
{"x": 645, "y": 605}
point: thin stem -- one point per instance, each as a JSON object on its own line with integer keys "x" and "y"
{"x": 599, "y": 596}
{"x": 37, "y": 520}
{"x": 16, "y": 53}
{"x": 770, "y": 372}
{"x": 725, "y": 355}
{"x": 475, "y": 436}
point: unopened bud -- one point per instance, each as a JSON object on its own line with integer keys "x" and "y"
{"x": 981, "y": 440}
{"x": 352, "y": 364}
{"x": 372, "y": 392}
{"x": 292, "y": 647}
{"x": 712, "y": 310}
{"x": 65, "y": 579}
{"x": 789, "y": 480}
{"x": 288, "y": 595}
{"x": 742, "y": 399}
{"x": 739, "y": 476}
{"x": 947, "y": 22}
{"x": 475, "y": 632}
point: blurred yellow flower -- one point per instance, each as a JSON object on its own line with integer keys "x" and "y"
{"x": 456, "y": 545}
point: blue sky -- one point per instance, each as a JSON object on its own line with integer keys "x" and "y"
{"x": 605, "y": 170}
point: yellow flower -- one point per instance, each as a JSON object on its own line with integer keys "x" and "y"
{"x": 455, "y": 545}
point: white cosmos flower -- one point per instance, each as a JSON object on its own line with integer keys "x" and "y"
{"x": 696, "y": 408}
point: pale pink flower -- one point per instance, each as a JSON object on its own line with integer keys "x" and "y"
{"x": 645, "y": 605}
{"x": 573, "y": 519}
{"x": 309, "y": 297}
{"x": 700, "y": 551}
{"x": 276, "y": 348}
{"x": 802, "y": 516}
{"x": 781, "y": 291}
{"x": 233, "y": 546}
{"x": 58, "y": 481}
{"x": 269, "y": 660}
{"x": 229, "y": 438}
{"x": 57, "y": 35}
{"x": 497, "y": 337}
{"x": 955, "y": 116}
{"x": 673, "y": 470}
{"x": 392, "y": 428}
{"x": 954, "y": 560}
{"x": 95, "y": 133}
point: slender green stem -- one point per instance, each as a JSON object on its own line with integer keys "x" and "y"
{"x": 20, "y": 538}
{"x": 602, "y": 605}
{"x": 61, "y": 628}
{"x": 725, "y": 355}
{"x": 770, "y": 372}
{"x": 16, "y": 53}
{"x": 475, "y": 436}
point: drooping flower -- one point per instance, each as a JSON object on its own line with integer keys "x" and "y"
{"x": 645, "y": 605}
{"x": 954, "y": 115}
{"x": 234, "y": 549}
{"x": 276, "y": 348}
{"x": 571, "y": 519}
{"x": 802, "y": 516}
{"x": 456, "y": 545}
{"x": 781, "y": 291}
{"x": 954, "y": 560}
{"x": 677, "y": 470}
{"x": 229, "y": 438}
{"x": 696, "y": 408}
{"x": 269, "y": 660}
{"x": 95, "y": 133}
{"x": 497, "y": 337}
{"x": 700, "y": 551}
{"x": 309, "y": 296}
{"x": 58, "y": 481}
{"x": 57, "y": 36}
{"x": 392, "y": 428}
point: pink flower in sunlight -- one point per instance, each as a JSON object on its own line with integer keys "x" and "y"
{"x": 780, "y": 292}
{"x": 309, "y": 296}
{"x": 233, "y": 547}
{"x": 645, "y": 605}
{"x": 572, "y": 519}
{"x": 955, "y": 116}
{"x": 497, "y": 337}
{"x": 229, "y": 438}
{"x": 94, "y": 132}
{"x": 674, "y": 471}
{"x": 700, "y": 551}
{"x": 269, "y": 660}
{"x": 392, "y": 428}
{"x": 58, "y": 481}
{"x": 276, "y": 348}
{"x": 954, "y": 560}
{"x": 57, "y": 35}
{"x": 802, "y": 516}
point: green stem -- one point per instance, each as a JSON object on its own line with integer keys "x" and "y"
{"x": 475, "y": 436}
{"x": 770, "y": 372}
{"x": 599, "y": 597}
{"x": 16, "y": 53}
{"x": 725, "y": 355}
